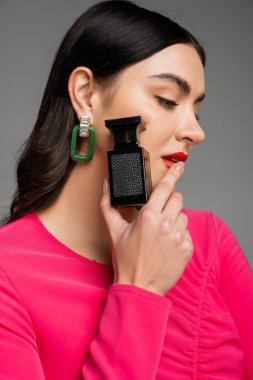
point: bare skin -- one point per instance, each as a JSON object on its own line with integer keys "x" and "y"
{"x": 80, "y": 217}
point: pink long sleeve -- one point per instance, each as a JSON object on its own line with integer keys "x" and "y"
{"x": 131, "y": 330}
{"x": 19, "y": 358}
{"x": 130, "y": 337}
{"x": 236, "y": 288}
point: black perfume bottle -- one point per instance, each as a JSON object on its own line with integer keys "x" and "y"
{"x": 129, "y": 164}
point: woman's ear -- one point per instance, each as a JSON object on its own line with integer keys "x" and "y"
{"x": 80, "y": 88}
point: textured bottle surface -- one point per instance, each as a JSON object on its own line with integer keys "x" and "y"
{"x": 127, "y": 176}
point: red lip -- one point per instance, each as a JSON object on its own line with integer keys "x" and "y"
{"x": 181, "y": 156}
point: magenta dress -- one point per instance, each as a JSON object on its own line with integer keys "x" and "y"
{"x": 62, "y": 318}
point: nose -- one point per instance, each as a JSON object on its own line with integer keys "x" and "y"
{"x": 190, "y": 130}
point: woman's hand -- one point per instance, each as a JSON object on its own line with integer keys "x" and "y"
{"x": 152, "y": 251}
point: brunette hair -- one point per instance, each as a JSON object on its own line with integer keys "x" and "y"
{"x": 107, "y": 38}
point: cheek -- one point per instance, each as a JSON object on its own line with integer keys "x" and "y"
{"x": 156, "y": 135}
{"x": 150, "y": 140}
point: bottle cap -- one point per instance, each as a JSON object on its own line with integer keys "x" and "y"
{"x": 124, "y": 131}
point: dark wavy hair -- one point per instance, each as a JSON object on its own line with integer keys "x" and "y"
{"x": 107, "y": 38}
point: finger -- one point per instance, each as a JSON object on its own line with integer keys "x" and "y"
{"x": 181, "y": 224}
{"x": 188, "y": 237}
{"x": 173, "y": 207}
{"x": 161, "y": 193}
{"x": 177, "y": 228}
{"x": 188, "y": 244}
{"x": 112, "y": 217}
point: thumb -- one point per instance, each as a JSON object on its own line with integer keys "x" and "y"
{"x": 112, "y": 217}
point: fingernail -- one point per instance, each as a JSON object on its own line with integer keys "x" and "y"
{"x": 105, "y": 185}
{"x": 180, "y": 166}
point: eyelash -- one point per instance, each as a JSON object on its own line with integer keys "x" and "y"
{"x": 170, "y": 104}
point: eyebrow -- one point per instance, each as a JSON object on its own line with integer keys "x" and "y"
{"x": 183, "y": 85}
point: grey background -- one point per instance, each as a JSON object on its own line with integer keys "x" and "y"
{"x": 219, "y": 171}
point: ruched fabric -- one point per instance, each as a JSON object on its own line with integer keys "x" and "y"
{"x": 61, "y": 316}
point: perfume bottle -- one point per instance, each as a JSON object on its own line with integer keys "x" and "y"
{"x": 128, "y": 164}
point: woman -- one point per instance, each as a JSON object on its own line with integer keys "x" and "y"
{"x": 89, "y": 291}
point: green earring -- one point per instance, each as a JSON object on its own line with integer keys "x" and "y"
{"x": 84, "y": 130}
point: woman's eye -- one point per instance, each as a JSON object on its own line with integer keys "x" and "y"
{"x": 166, "y": 103}
{"x": 170, "y": 104}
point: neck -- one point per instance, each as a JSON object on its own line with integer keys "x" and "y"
{"x": 74, "y": 216}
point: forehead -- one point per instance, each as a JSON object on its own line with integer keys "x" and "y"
{"x": 180, "y": 59}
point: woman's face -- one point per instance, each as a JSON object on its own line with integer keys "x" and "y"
{"x": 166, "y": 90}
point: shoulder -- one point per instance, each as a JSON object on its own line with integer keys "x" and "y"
{"x": 17, "y": 238}
{"x": 15, "y": 232}
{"x": 199, "y": 220}
{"x": 213, "y": 238}
{"x": 205, "y": 221}
{"x": 207, "y": 231}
